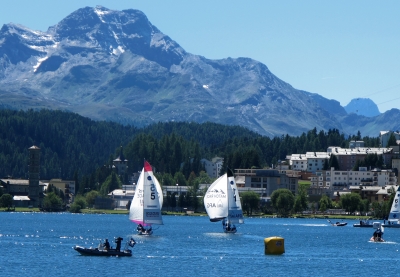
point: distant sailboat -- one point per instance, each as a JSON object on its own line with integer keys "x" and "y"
{"x": 222, "y": 202}
{"x": 146, "y": 204}
{"x": 394, "y": 215}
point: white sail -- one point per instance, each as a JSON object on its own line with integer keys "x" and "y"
{"x": 146, "y": 203}
{"x": 216, "y": 199}
{"x": 136, "y": 209}
{"x": 395, "y": 210}
{"x": 222, "y": 201}
{"x": 235, "y": 214}
{"x": 159, "y": 191}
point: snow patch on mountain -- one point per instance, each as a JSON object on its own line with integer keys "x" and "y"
{"x": 36, "y": 66}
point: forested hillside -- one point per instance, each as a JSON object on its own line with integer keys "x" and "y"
{"x": 75, "y": 147}
{"x": 68, "y": 142}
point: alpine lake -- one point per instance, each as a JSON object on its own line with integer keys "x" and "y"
{"x": 41, "y": 244}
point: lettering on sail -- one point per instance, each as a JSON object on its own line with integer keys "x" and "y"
{"x": 215, "y": 205}
{"x": 216, "y": 194}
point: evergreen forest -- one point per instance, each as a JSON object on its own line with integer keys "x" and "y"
{"x": 77, "y": 148}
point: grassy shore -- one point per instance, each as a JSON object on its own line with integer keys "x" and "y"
{"x": 19, "y": 209}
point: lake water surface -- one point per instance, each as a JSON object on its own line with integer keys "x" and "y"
{"x": 41, "y": 244}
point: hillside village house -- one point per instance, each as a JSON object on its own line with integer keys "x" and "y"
{"x": 372, "y": 184}
{"x": 356, "y": 144}
{"x": 385, "y": 135}
{"x": 347, "y": 158}
{"x": 298, "y": 162}
{"x": 213, "y": 167}
{"x": 120, "y": 164}
{"x": 316, "y": 160}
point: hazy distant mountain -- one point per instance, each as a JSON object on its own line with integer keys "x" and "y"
{"x": 362, "y": 106}
{"x": 116, "y": 65}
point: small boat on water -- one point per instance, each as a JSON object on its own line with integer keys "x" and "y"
{"x": 378, "y": 233}
{"x": 101, "y": 251}
{"x": 146, "y": 204}
{"x": 98, "y": 252}
{"x": 222, "y": 202}
{"x": 377, "y": 240}
{"x": 337, "y": 223}
{"x": 364, "y": 223}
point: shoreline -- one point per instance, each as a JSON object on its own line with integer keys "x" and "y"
{"x": 167, "y": 213}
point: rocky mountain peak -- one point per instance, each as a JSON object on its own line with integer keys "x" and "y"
{"x": 115, "y": 32}
{"x": 115, "y": 65}
{"x": 362, "y": 106}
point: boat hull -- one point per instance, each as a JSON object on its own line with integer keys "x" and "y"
{"x": 391, "y": 225}
{"x": 230, "y": 232}
{"x": 363, "y": 225}
{"x": 338, "y": 223}
{"x": 145, "y": 233}
{"x": 107, "y": 253}
{"x": 376, "y": 240}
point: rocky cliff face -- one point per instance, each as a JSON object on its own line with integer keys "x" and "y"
{"x": 115, "y": 65}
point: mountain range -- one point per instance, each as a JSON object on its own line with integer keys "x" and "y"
{"x": 115, "y": 65}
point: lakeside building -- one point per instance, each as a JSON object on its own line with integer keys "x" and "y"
{"x": 336, "y": 182}
{"x": 119, "y": 198}
{"x": 66, "y": 186}
{"x": 374, "y": 193}
{"x": 19, "y": 190}
{"x": 266, "y": 181}
{"x": 30, "y": 192}
{"x": 213, "y": 167}
{"x": 27, "y": 193}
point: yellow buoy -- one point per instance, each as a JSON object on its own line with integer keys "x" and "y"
{"x": 274, "y": 245}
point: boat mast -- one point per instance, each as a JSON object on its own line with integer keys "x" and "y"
{"x": 228, "y": 194}
{"x": 144, "y": 183}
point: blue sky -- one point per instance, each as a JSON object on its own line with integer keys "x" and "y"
{"x": 338, "y": 49}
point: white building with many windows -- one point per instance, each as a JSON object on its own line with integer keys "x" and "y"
{"x": 213, "y": 167}
{"x": 298, "y": 162}
{"x": 336, "y": 180}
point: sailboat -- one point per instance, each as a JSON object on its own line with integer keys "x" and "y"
{"x": 146, "y": 204}
{"x": 394, "y": 215}
{"x": 222, "y": 202}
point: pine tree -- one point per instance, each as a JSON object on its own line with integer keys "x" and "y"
{"x": 391, "y": 141}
